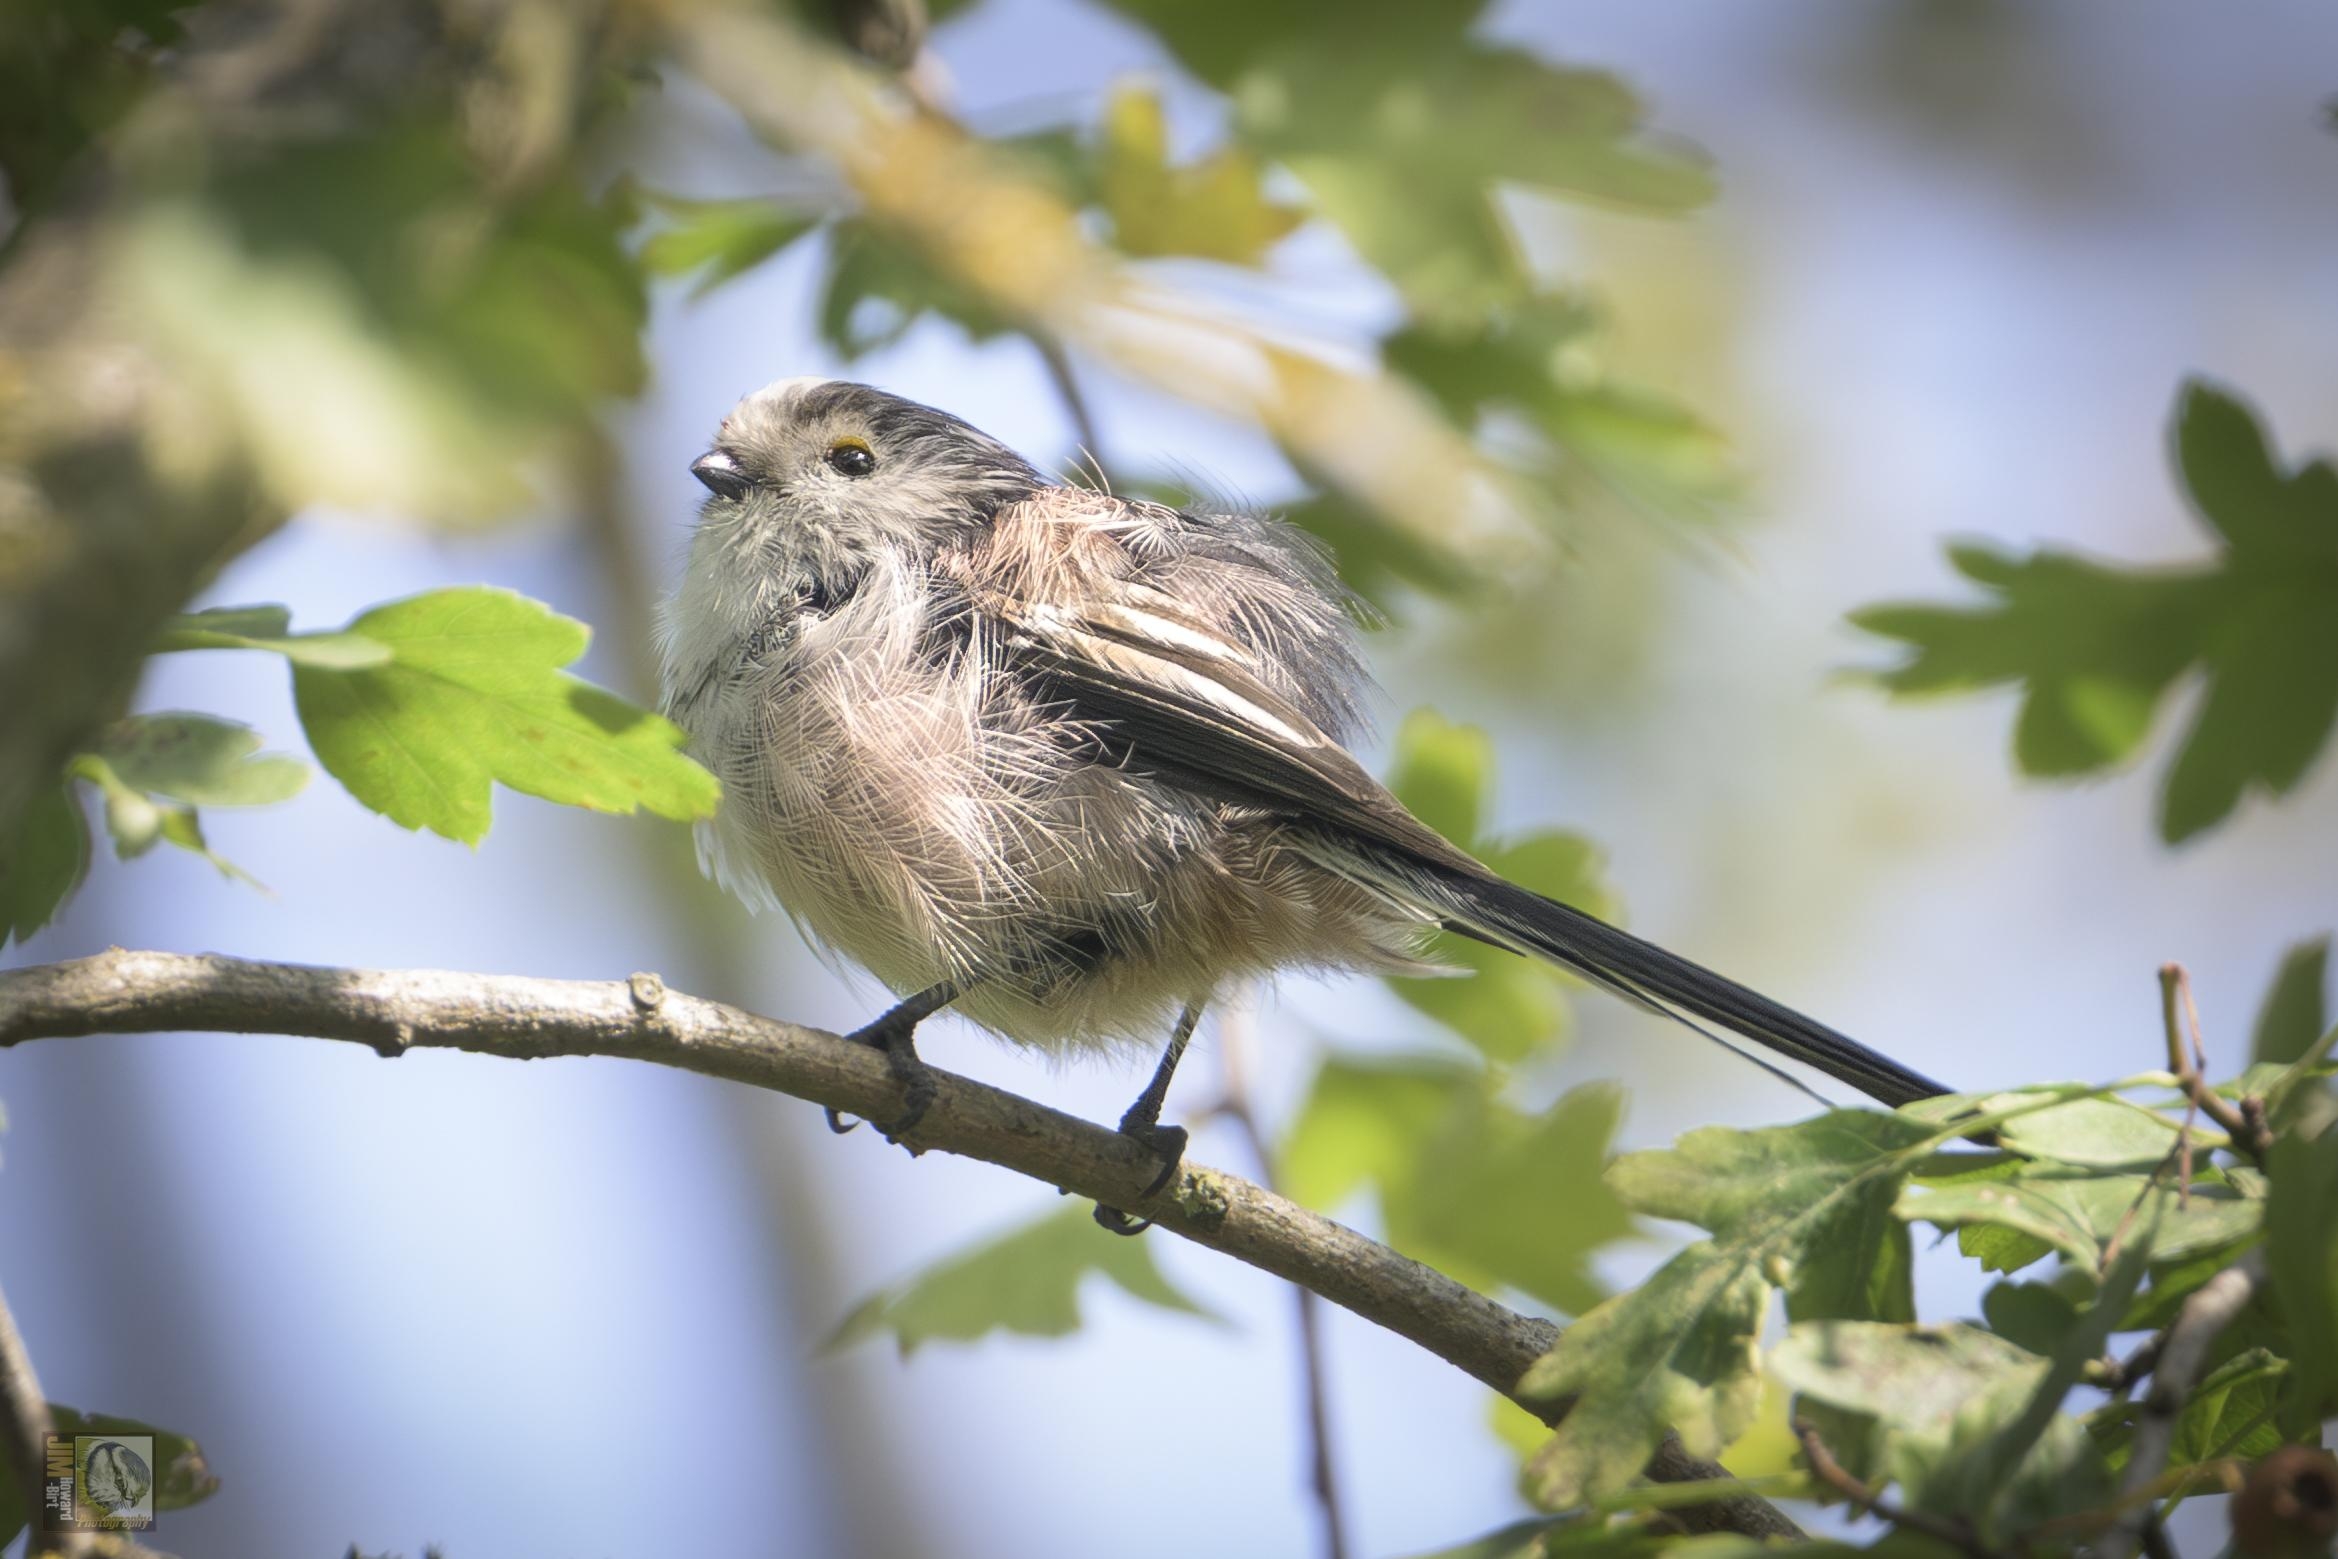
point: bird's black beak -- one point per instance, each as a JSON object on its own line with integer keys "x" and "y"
{"x": 721, "y": 474}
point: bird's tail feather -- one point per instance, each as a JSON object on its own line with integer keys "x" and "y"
{"x": 1480, "y": 904}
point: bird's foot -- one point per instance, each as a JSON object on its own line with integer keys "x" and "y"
{"x": 1167, "y": 1143}
{"x": 895, "y": 1036}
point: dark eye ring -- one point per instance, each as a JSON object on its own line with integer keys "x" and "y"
{"x": 851, "y": 457}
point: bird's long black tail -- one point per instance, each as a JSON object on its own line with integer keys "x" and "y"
{"x": 1480, "y": 904}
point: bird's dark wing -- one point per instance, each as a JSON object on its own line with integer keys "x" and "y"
{"x": 1168, "y": 693}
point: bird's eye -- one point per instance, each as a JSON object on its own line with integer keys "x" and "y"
{"x": 851, "y": 457}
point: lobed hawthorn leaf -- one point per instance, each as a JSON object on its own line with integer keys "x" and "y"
{"x": 1804, "y": 1207}
{"x": 2096, "y": 649}
{"x": 1026, "y": 1281}
{"x": 474, "y": 694}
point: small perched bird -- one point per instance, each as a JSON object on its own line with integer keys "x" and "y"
{"x": 1070, "y": 762}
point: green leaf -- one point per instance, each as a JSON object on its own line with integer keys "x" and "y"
{"x": 2097, "y": 649}
{"x": 2229, "y": 1413}
{"x": 877, "y": 288}
{"x": 1806, "y": 1207}
{"x": 2228, "y": 467}
{"x": 2107, "y": 1131}
{"x": 1026, "y": 1281}
{"x": 474, "y": 694}
{"x": 199, "y": 759}
{"x": 2301, "y": 1252}
{"x": 719, "y": 239}
{"x": 2079, "y": 1212}
{"x": 45, "y": 858}
{"x": 2034, "y": 1316}
{"x": 1525, "y": 362}
{"x": 2294, "y": 1016}
{"x": 1491, "y": 1196}
{"x": 181, "y": 1475}
{"x": 137, "y": 823}
{"x": 1442, "y": 773}
{"x": 269, "y": 628}
{"x": 1507, "y": 1006}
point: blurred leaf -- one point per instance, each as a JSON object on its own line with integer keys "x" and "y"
{"x": 1214, "y": 208}
{"x": 520, "y": 298}
{"x": 2096, "y": 649}
{"x": 1026, "y": 1281}
{"x": 1806, "y": 1207}
{"x": 1375, "y": 557}
{"x": 1442, "y": 773}
{"x": 1366, "y": 1123}
{"x": 877, "y": 287}
{"x": 210, "y": 762}
{"x": 1485, "y": 1193}
{"x": 719, "y": 239}
{"x": 181, "y": 1475}
{"x": 1526, "y": 360}
{"x": 45, "y": 860}
{"x": 137, "y": 822}
{"x": 474, "y": 694}
{"x": 2034, "y": 1316}
{"x": 2294, "y": 1016}
{"x": 1505, "y": 1005}
{"x": 69, "y": 70}
{"x": 2301, "y": 1252}
{"x": 2229, "y": 1413}
{"x": 268, "y": 628}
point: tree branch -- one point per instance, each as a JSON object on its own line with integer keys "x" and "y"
{"x": 639, "y": 1019}
{"x": 25, "y": 1427}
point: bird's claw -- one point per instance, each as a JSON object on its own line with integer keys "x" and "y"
{"x": 1166, "y": 1143}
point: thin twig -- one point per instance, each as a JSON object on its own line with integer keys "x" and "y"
{"x": 639, "y": 1019}
{"x": 1075, "y": 402}
{"x": 2212, "y": 1307}
{"x": 1867, "y": 1501}
{"x": 1233, "y": 1034}
{"x": 2190, "y": 1067}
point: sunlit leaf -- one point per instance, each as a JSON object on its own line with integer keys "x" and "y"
{"x": 1806, "y": 1207}
{"x": 1215, "y": 208}
{"x": 268, "y": 628}
{"x": 474, "y": 694}
{"x": 1027, "y": 1281}
{"x": 2079, "y": 1212}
